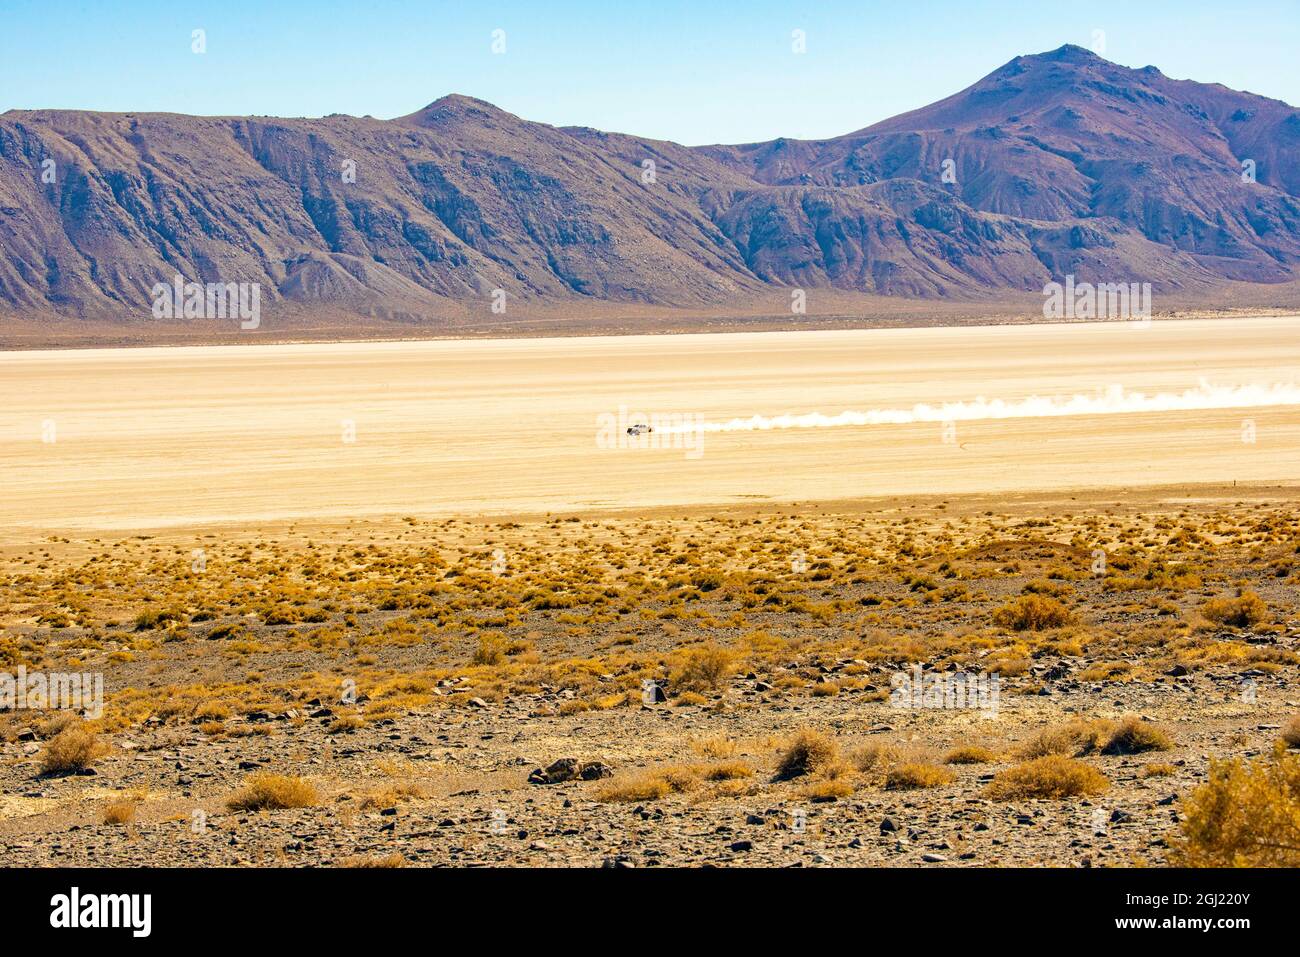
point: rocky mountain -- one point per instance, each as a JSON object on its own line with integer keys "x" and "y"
{"x": 1053, "y": 164}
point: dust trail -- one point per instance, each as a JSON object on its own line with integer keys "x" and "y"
{"x": 1113, "y": 400}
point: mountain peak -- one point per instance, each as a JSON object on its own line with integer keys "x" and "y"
{"x": 461, "y": 101}
{"x": 1068, "y": 53}
{"x": 456, "y": 106}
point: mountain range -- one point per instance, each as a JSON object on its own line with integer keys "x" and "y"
{"x": 1056, "y": 164}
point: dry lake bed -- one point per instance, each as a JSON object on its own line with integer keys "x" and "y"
{"x": 931, "y": 597}
{"x": 134, "y": 438}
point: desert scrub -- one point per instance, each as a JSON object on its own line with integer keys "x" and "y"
{"x": 1243, "y": 611}
{"x": 969, "y": 754}
{"x": 346, "y": 724}
{"x": 1032, "y": 613}
{"x": 266, "y": 791}
{"x": 1129, "y": 735}
{"x": 232, "y": 631}
{"x": 493, "y": 649}
{"x": 1132, "y": 735}
{"x": 715, "y": 746}
{"x": 1073, "y": 738}
{"x": 157, "y": 617}
{"x": 390, "y": 795}
{"x": 647, "y": 785}
{"x": 394, "y": 859}
{"x": 703, "y": 669}
{"x": 73, "y": 749}
{"x": 1106, "y": 671}
{"x": 120, "y": 812}
{"x": 878, "y": 758}
{"x": 1291, "y": 733}
{"x": 807, "y": 752}
{"x": 635, "y": 787}
{"x": 1054, "y": 777}
{"x": 831, "y": 788}
{"x": 1047, "y": 587}
{"x": 726, "y": 771}
{"x": 211, "y": 711}
{"x": 914, "y": 775}
{"x": 1245, "y": 815}
{"x": 1158, "y": 770}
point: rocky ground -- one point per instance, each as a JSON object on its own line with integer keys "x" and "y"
{"x": 469, "y": 706}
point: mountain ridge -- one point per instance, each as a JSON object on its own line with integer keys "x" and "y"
{"x": 1053, "y": 164}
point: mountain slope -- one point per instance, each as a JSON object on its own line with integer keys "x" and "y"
{"x": 1069, "y": 136}
{"x": 1060, "y": 163}
{"x": 451, "y": 202}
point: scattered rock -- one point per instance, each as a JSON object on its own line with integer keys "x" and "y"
{"x": 565, "y": 769}
{"x": 595, "y": 770}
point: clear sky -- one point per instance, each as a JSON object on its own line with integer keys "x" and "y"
{"x": 706, "y": 71}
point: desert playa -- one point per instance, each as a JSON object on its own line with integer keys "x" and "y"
{"x": 142, "y": 438}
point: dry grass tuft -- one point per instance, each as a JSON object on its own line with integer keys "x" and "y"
{"x": 1053, "y": 776}
{"x": 808, "y": 752}
{"x": 829, "y": 789}
{"x": 120, "y": 812}
{"x": 703, "y": 669}
{"x": 914, "y": 775}
{"x": 647, "y": 785}
{"x": 1074, "y": 738}
{"x": 969, "y": 754}
{"x": 390, "y": 796}
{"x": 1129, "y": 735}
{"x": 716, "y": 746}
{"x": 1244, "y": 611}
{"x": 1032, "y": 613}
{"x": 878, "y": 757}
{"x": 727, "y": 771}
{"x": 1132, "y": 735}
{"x": 347, "y": 723}
{"x": 834, "y": 781}
{"x": 1291, "y": 733}
{"x": 75, "y": 748}
{"x": 266, "y": 791}
{"x": 394, "y": 859}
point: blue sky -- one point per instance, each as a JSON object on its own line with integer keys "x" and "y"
{"x": 706, "y": 71}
